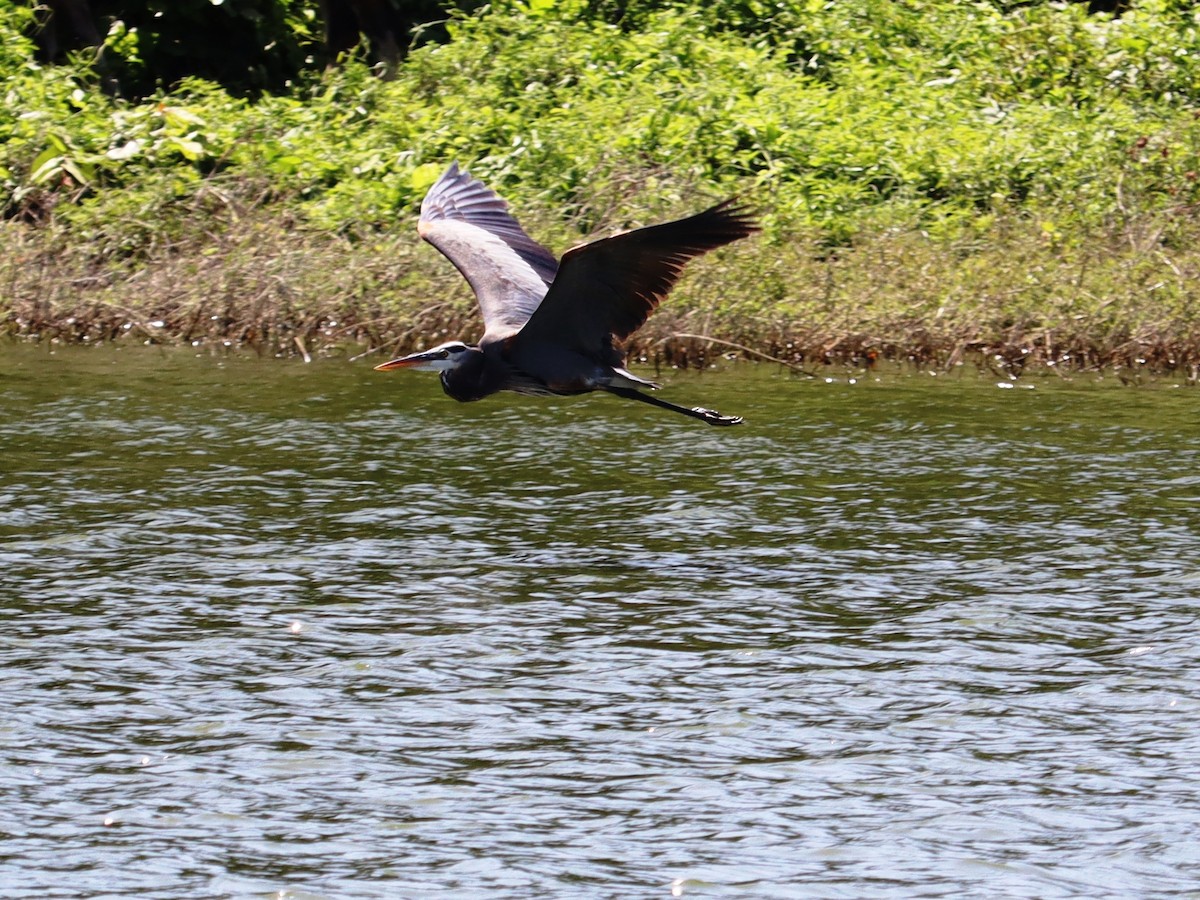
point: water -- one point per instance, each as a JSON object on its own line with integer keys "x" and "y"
{"x": 289, "y": 631}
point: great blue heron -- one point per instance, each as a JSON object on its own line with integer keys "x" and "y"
{"x": 552, "y": 328}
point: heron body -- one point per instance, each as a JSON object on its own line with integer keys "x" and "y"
{"x": 551, "y": 327}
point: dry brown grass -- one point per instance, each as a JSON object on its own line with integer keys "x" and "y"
{"x": 1008, "y": 299}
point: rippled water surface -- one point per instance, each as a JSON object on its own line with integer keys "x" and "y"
{"x": 277, "y": 630}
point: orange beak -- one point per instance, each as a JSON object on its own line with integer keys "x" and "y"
{"x": 415, "y": 361}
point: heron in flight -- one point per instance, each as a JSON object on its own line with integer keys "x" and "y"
{"x": 551, "y": 327}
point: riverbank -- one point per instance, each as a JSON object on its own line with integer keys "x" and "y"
{"x": 936, "y": 182}
{"x": 1007, "y": 299}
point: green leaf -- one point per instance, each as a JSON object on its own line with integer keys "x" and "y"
{"x": 45, "y": 165}
{"x": 177, "y": 115}
{"x": 128, "y": 150}
{"x": 192, "y": 150}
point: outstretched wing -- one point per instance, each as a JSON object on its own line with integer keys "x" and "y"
{"x": 605, "y": 290}
{"x": 508, "y": 270}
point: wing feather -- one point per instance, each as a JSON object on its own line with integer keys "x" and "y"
{"x": 606, "y": 290}
{"x": 507, "y": 269}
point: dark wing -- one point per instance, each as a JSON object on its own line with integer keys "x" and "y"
{"x": 605, "y": 290}
{"x": 508, "y": 270}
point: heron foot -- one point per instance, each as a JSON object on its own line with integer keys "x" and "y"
{"x": 712, "y": 417}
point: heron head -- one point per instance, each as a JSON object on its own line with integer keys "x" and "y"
{"x": 442, "y": 358}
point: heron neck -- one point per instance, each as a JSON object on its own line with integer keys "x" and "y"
{"x": 471, "y": 379}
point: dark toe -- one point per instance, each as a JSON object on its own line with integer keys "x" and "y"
{"x": 712, "y": 417}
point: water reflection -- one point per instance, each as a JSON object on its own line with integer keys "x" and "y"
{"x": 276, "y": 628}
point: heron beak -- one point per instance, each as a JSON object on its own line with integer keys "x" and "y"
{"x": 418, "y": 361}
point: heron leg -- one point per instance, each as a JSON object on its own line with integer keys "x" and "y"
{"x": 712, "y": 417}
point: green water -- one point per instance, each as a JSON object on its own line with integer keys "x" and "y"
{"x": 271, "y": 629}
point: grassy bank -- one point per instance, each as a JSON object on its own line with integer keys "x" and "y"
{"x": 938, "y": 182}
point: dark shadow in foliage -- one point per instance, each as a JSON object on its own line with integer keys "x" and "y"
{"x": 387, "y": 27}
{"x": 65, "y": 25}
{"x": 1095, "y": 7}
{"x": 347, "y": 22}
{"x": 248, "y": 46}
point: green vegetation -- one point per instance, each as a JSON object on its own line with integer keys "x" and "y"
{"x": 937, "y": 180}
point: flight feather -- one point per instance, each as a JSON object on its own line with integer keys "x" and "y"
{"x": 605, "y": 290}
{"x": 507, "y": 269}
